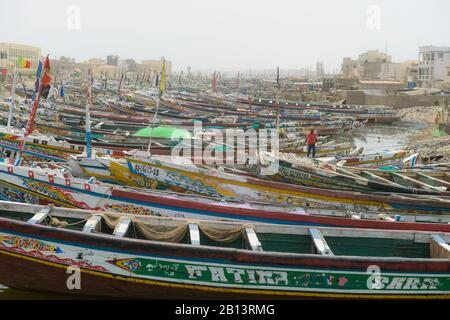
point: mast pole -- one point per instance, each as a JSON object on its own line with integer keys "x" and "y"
{"x": 29, "y": 127}
{"x": 120, "y": 85}
{"x": 23, "y": 86}
{"x": 13, "y": 93}
{"x": 88, "y": 117}
{"x": 162, "y": 87}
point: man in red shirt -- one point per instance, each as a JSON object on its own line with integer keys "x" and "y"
{"x": 311, "y": 140}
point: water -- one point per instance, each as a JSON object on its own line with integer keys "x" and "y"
{"x": 374, "y": 138}
{"x": 385, "y": 137}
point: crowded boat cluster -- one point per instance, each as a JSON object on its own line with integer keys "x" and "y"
{"x": 208, "y": 191}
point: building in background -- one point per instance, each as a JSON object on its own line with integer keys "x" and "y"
{"x": 155, "y": 66}
{"x": 349, "y": 68}
{"x": 434, "y": 65}
{"x": 397, "y": 71}
{"x": 412, "y": 75}
{"x": 111, "y": 72}
{"x": 374, "y": 65}
{"x": 370, "y": 64}
{"x": 320, "y": 72}
{"x": 10, "y": 53}
{"x": 62, "y": 65}
{"x": 96, "y": 62}
{"x": 112, "y": 60}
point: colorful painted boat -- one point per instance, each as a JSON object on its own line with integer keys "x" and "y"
{"x": 41, "y": 148}
{"x": 144, "y": 171}
{"x": 142, "y": 257}
{"x": 431, "y": 179}
{"x": 374, "y": 161}
{"x": 326, "y": 176}
{"x": 322, "y": 150}
{"x": 50, "y": 186}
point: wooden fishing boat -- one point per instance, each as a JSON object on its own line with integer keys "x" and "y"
{"x": 141, "y": 257}
{"x": 40, "y": 185}
{"x": 142, "y": 170}
{"x": 431, "y": 178}
{"x": 373, "y": 114}
{"x": 328, "y": 149}
{"x": 40, "y": 148}
{"x": 375, "y": 160}
{"x": 315, "y": 174}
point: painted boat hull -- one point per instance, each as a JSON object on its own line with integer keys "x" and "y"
{"x": 127, "y": 268}
{"x": 26, "y": 185}
{"x": 215, "y": 184}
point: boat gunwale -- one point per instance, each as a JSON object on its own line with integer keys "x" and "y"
{"x": 106, "y": 242}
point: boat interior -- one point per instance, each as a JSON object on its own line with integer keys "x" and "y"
{"x": 253, "y": 237}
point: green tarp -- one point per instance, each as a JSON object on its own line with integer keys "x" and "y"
{"x": 163, "y": 132}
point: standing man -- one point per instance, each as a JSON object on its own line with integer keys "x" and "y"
{"x": 437, "y": 119}
{"x": 311, "y": 140}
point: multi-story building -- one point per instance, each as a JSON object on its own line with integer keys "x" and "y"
{"x": 434, "y": 65}
{"x": 374, "y": 65}
{"x": 10, "y": 53}
{"x": 370, "y": 64}
{"x": 397, "y": 71}
{"x": 349, "y": 68}
{"x": 112, "y": 60}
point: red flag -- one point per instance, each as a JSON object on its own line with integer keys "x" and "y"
{"x": 46, "y": 77}
{"x": 4, "y": 72}
{"x": 47, "y": 64}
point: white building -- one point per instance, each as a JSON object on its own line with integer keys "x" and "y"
{"x": 434, "y": 67}
{"x": 10, "y": 53}
{"x": 397, "y": 71}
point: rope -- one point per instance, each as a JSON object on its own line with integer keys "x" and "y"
{"x": 55, "y": 222}
{"x": 111, "y": 189}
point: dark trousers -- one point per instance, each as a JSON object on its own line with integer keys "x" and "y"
{"x": 311, "y": 147}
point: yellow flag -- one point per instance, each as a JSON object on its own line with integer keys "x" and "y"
{"x": 162, "y": 83}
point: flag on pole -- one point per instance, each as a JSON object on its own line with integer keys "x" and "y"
{"x": 46, "y": 78}
{"x": 76, "y": 72}
{"x": 162, "y": 83}
{"x": 36, "y": 97}
{"x": 43, "y": 89}
{"x": 24, "y": 63}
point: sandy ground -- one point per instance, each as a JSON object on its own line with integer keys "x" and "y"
{"x": 423, "y": 141}
{"x": 420, "y": 114}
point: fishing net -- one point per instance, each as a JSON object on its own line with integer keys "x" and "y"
{"x": 222, "y": 233}
{"x": 162, "y": 232}
{"x": 176, "y": 230}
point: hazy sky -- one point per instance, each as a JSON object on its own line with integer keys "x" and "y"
{"x": 227, "y": 34}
